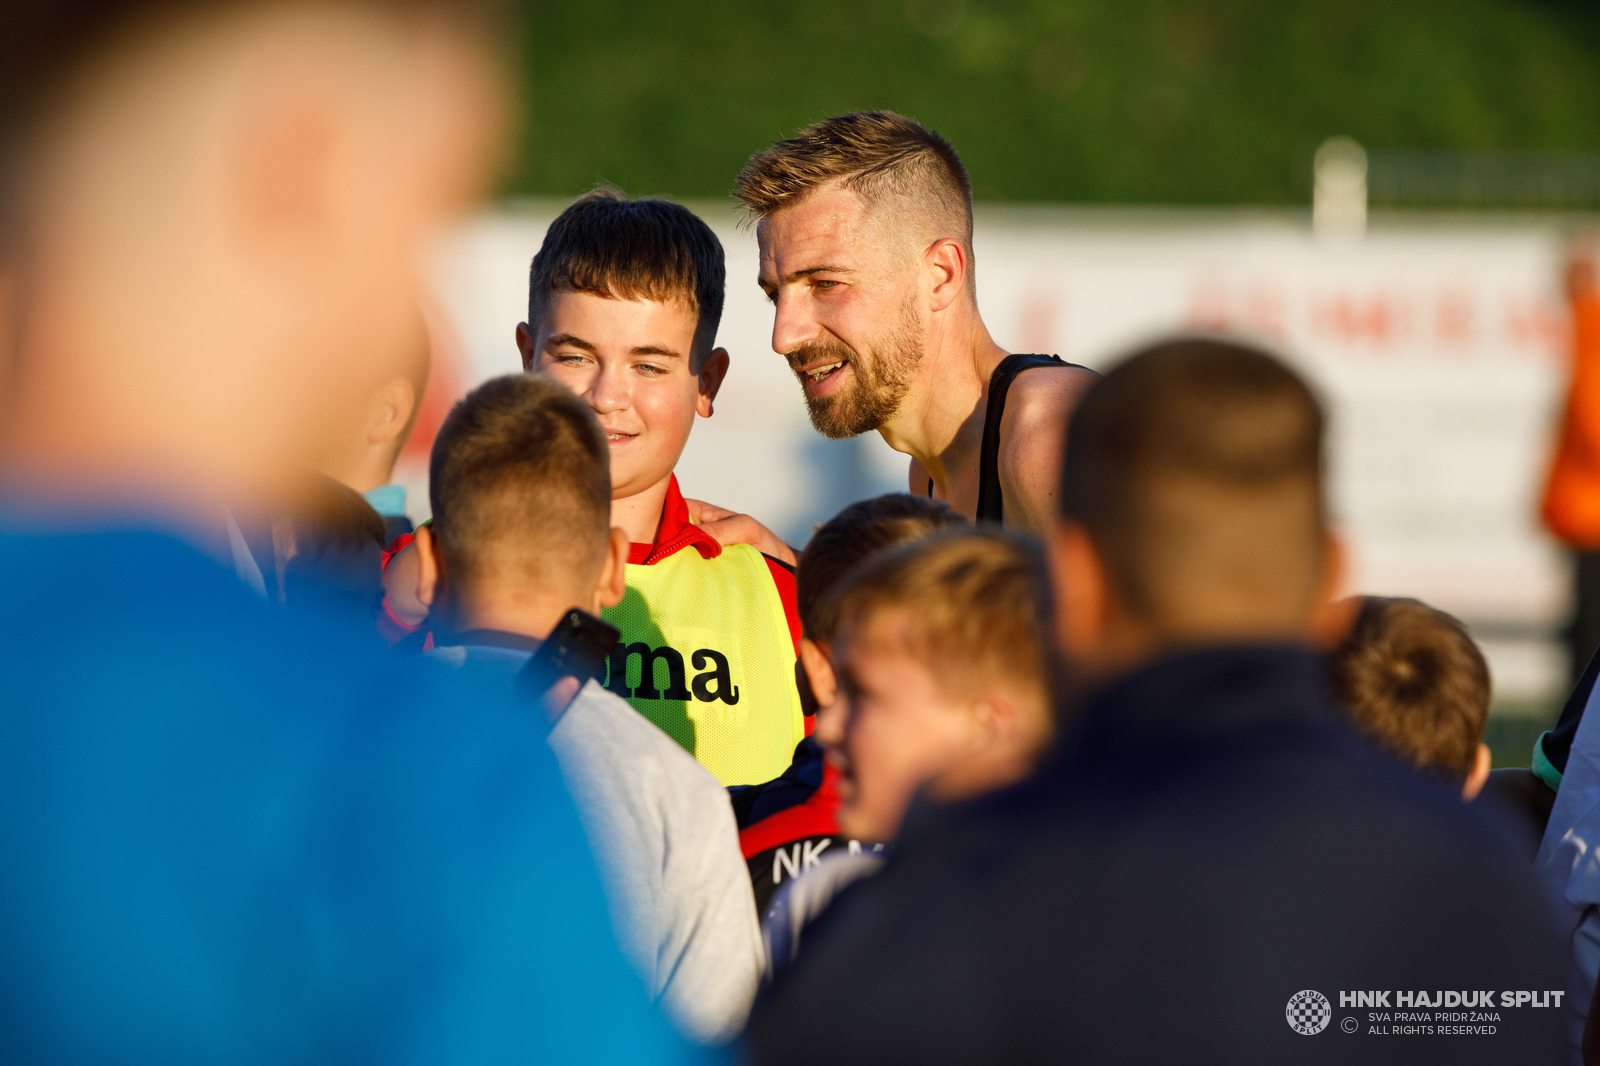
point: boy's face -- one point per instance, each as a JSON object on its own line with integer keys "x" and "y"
{"x": 901, "y": 731}
{"x": 630, "y": 359}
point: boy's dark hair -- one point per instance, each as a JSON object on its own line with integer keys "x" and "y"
{"x": 843, "y": 541}
{"x": 975, "y": 604}
{"x": 520, "y": 482}
{"x": 611, "y": 246}
{"x": 331, "y": 513}
{"x": 1416, "y": 684}
{"x": 1195, "y": 466}
{"x": 329, "y": 551}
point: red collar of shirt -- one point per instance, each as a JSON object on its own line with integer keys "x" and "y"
{"x": 674, "y": 533}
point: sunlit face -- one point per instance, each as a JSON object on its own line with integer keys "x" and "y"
{"x": 846, "y": 314}
{"x": 630, "y": 361}
{"x": 900, "y": 731}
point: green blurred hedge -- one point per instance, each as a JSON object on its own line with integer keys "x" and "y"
{"x": 1082, "y": 100}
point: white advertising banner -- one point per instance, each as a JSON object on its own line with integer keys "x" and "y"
{"x": 1438, "y": 343}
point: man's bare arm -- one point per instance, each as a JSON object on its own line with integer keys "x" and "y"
{"x": 730, "y": 527}
{"x": 1033, "y": 435}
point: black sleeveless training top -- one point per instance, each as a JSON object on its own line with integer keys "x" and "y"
{"x": 991, "y": 508}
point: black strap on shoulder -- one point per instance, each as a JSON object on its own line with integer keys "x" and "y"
{"x": 991, "y": 508}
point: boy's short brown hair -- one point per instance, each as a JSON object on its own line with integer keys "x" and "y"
{"x": 520, "y": 482}
{"x": 1195, "y": 466}
{"x": 1414, "y": 681}
{"x": 974, "y": 604}
{"x": 608, "y": 245}
{"x": 858, "y": 531}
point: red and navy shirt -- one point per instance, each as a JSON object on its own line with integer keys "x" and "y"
{"x": 789, "y": 823}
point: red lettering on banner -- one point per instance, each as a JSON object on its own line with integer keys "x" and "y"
{"x": 1378, "y": 320}
{"x": 1261, "y": 308}
{"x": 1208, "y": 307}
{"x": 1264, "y": 310}
{"x": 1533, "y": 322}
{"x": 1455, "y": 318}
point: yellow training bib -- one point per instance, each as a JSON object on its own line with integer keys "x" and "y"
{"x": 706, "y": 655}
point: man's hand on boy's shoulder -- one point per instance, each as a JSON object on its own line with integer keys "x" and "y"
{"x": 730, "y": 527}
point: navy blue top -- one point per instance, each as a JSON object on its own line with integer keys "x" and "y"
{"x": 231, "y": 835}
{"x": 796, "y": 785}
{"x": 1210, "y": 843}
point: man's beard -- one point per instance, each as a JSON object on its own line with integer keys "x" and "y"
{"x": 882, "y": 379}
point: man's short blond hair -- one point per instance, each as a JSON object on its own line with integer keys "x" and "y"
{"x": 973, "y": 605}
{"x": 884, "y": 158}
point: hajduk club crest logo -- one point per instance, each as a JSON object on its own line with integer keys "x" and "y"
{"x": 1309, "y": 1012}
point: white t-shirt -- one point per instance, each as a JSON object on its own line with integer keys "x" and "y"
{"x": 667, "y": 848}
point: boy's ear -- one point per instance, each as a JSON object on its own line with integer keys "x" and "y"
{"x": 430, "y": 572}
{"x": 391, "y": 411}
{"x": 1094, "y": 629}
{"x": 819, "y": 671}
{"x": 1478, "y": 776}
{"x": 525, "y": 346}
{"x": 613, "y": 584}
{"x": 995, "y": 719}
{"x": 1081, "y": 588}
{"x": 711, "y": 375}
{"x": 1331, "y": 618}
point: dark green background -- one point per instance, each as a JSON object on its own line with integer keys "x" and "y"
{"x": 1080, "y": 100}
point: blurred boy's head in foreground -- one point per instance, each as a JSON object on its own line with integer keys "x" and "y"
{"x": 217, "y": 213}
{"x": 521, "y": 493}
{"x": 624, "y": 300}
{"x": 939, "y": 652}
{"x": 1192, "y": 508}
{"x": 1416, "y": 684}
{"x": 367, "y": 458}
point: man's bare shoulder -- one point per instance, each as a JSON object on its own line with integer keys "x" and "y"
{"x": 1033, "y": 433}
{"x": 1044, "y": 390}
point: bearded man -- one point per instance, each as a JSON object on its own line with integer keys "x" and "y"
{"x": 865, "y": 229}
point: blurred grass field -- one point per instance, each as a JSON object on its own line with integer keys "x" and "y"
{"x": 1514, "y": 726}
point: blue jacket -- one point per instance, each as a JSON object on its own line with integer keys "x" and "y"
{"x": 232, "y": 836}
{"x": 1209, "y": 844}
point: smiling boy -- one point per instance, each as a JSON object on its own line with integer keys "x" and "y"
{"x": 624, "y": 300}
